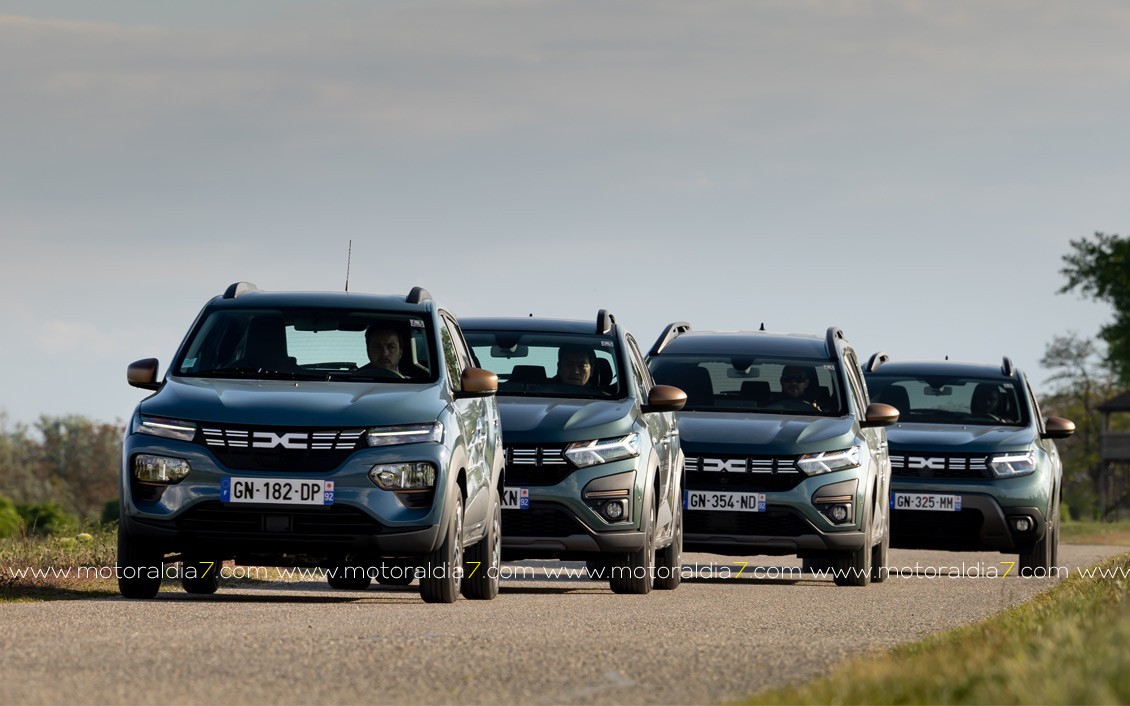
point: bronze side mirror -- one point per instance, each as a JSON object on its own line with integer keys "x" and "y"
{"x": 477, "y": 382}
{"x": 143, "y": 374}
{"x": 879, "y": 415}
{"x": 665, "y": 398}
{"x": 1058, "y": 428}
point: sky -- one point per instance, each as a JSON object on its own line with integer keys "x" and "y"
{"x": 912, "y": 172}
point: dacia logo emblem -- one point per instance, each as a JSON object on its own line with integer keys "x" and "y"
{"x": 269, "y": 440}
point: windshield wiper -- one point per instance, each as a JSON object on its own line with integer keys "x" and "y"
{"x": 255, "y": 374}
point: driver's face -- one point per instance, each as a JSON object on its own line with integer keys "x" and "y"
{"x": 794, "y": 382}
{"x": 574, "y": 368}
{"x": 384, "y": 350}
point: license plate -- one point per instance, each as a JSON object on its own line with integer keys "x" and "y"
{"x": 734, "y": 502}
{"x": 925, "y": 501}
{"x": 515, "y": 498}
{"x": 277, "y": 491}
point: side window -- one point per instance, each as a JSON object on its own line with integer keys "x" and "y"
{"x": 856, "y": 386}
{"x": 1035, "y": 406}
{"x": 450, "y": 356}
{"x": 640, "y": 374}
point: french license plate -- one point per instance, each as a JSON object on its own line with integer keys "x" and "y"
{"x": 925, "y": 501}
{"x": 515, "y": 498}
{"x": 735, "y": 502}
{"x": 277, "y": 491}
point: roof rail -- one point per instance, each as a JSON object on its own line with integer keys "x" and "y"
{"x": 1006, "y": 366}
{"x": 604, "y": 321}
{"x": 834, "y": 332}
{"x": 875, "y": 361}
{"x": 238, "y": 288}
{"x": 670, "y": 333}
{"x": 417, "y": 295}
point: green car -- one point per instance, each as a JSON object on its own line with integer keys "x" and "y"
{"x": 315, "y": 429}
{"x": 975, "y": 465}
{"x": 593, "y": 464}
{"x": 784, "y": 452}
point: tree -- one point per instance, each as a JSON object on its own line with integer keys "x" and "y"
{"x": 1100, "y": 269}
{"x": 1081, "y": 381}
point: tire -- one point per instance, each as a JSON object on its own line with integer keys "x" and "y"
{"x": 484, "y": 558}
{"x": 136, "y": 560}
{"x": 1044, "y": 555}
{"x": 357, "y": 579}
{"x": 854, "y": 568}
{"x": 632, "y": 572}
{"x": 205, "y": 578}
{"x": 669, "y": 560}
{"x": 880, "y": 557}
{"x": 444, "y": 566}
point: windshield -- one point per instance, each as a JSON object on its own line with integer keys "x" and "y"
{"x": 310, "y": 344}
{"x": 724, "y": 383}
{"x": 940, "y": 399}
{"x": 530, "y": 364}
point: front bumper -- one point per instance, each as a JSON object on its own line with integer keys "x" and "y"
{"x": 983, "y": 523}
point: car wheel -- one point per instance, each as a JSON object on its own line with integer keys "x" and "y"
{"x": 444, "y": 566}
{"x": 200, "y": 577}
{"x": 669, "y": 560}
{"x": 139, "y": 566}
{"x": 1042, "y": 556}
{"x": 854, "y": 568}
{"x": 633, "y": 572}
{"x": 348, "y": 578}
{"x": 880, "y": 556}
{"x": 484, "y": 558}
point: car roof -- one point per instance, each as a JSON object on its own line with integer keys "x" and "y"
{"x": 942, "y": 367}
{"x": 761, "y": 343}
{"x": 344, "y": 300}
{"x": 520, "y": 323}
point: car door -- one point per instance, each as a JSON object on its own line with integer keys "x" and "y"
{"x": 662, "y": 430}
{"x": 474, "y": 425}
{"x": 876, "y": 441}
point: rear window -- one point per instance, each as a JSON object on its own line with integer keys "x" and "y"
{"x": 950, "y": 400}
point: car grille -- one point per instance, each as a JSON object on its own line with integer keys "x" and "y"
{"x": 746, "y": 473}
{"x": 940, "y": 466}
{"x": 541, "y": 520}
{"x": 537, "y": 465}
{"x": 262, "y": 448}
{"x": 219, "y": 518}
{"x": 772, "y": 523}
{"x": 924, "y": 528}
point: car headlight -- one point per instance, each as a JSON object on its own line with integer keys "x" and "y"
{"x": 590, "y": 453}
{"x": 159, "y": 469}
{"x": 1012, "y": 465}
{"x": 406, "y": 434}
{"x": 167, "y": 428}
{"x": 829, "y": 461}
{"x": 404, "y": 476}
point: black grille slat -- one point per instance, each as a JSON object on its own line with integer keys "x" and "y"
{"x": 293, "y": 449}
{"x": 924, "y": 528}
{"x": 245, "y": 521}
{"x": 919, "y": 465}
{"x": 540, "y": 521}
{"x": 536, "y": 465}
{"x": 772, "y": 523}
{"x": 742, "y": 473}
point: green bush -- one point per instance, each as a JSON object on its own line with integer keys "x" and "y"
{"x": 10, "y": 522}
{"x": 46, "y": 518}
{"x": 110, "y": 511}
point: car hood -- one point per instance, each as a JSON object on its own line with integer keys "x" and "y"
{"x": 769, "y": 434}
{"x": 954, "y": 438}
{"x": 553, "y": 420}
{"x": 288, "y": 403}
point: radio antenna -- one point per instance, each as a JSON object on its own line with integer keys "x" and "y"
{"x": 348, "y": 259}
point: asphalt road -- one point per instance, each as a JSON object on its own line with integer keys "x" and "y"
{"x": 540, "y": 642}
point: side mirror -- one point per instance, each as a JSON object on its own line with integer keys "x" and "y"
{"x": 1058, "y": 428}
{"x": 664, "y": 398}
{"x": 476, "y": 382}
{"x": 143, "y": 374}
{"x": 879, "y": 415}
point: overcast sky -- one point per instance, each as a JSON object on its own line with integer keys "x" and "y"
{"x": 912, "y": 172}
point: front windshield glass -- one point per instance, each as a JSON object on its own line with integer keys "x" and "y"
{"x": 726, "y": 383}
{"x": 310, "y": 344}
{"x": 531, "y": 364}
{"x": 943, "y": 399}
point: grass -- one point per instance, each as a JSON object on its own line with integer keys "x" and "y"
{"x": 1093, "y": 532}
{"x": 65, "y": 555}
{"x": 1070, "y": 645}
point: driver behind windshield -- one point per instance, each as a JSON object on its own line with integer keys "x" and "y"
{"x": 795, "y": 380}
{"x": 574, "y": 365}
{"x": 384, "y": 348}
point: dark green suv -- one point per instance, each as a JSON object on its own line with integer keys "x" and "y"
{"x": 309, "y": 429}
{"x": 784, "y": 452}
{"x": 973, "y": 460}
{"x": 593, "y": 465}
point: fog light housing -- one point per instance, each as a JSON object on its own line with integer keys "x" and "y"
{"x": 1022, "y": 524}
{"x": 149, "y": 468}
{"x": 614, "y": 510}
{"x": 838, "y": 513}
{"x": 403, "y": 476}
